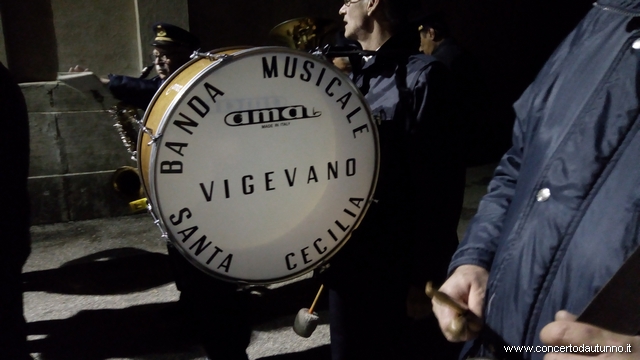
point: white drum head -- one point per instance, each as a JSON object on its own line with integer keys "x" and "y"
{"x": 266, "y": 163}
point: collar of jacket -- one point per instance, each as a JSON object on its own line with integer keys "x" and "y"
{"x": 444, "y": 44}
{"x": 401, "y": 45}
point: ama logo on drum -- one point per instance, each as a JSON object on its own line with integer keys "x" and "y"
{"x": 268, "y": 115}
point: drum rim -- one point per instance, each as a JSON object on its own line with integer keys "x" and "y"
{"x": 156, "y": 208}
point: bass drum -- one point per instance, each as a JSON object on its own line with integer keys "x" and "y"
{"x": 258, "y": 163}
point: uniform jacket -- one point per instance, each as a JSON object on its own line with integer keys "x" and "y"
{"x": 134, "y": 91}
{"x": 562, "y": 211}
{"x": 410, "y": 229}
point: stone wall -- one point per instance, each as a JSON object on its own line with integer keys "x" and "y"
{"x": 74, "y": 152}
{"x": 75, "y": 149}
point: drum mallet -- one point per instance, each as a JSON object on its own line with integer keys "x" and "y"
{"x": 466, "y": 320}
{"x": 306, "y": 320}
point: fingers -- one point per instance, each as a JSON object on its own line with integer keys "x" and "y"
{"x": 477, "y": 294}
{"x": 459, "y": 306}
{"x": 463, "y": 317}
{"x": 566, "y": 331}
{"x": 564, "y": 315}
{"x": 463, "y": 324}
{"x": 451, "y": 322}
{"x": 571, "y": 332}
{"x": 78, "y": 68}
{"x": 444, "y": 299}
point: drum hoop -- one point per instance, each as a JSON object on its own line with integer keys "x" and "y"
{"x": 157, "y": 207}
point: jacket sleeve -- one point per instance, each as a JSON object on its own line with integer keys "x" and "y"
{"x": 437, "y": 176}
{"x": 133, "y": 91}
{"x": 483, "y": 233}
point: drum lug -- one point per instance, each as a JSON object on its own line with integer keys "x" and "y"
{"x": 153, "y": 139}
{"x": 254, "y": 290}
{"x": 322, "y": 268}
{"x": 148, "y": 131}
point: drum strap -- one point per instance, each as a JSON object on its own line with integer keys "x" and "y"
{"x": 616, "y": 307}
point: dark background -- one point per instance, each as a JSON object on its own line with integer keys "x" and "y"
{"x": 511, "y": 40}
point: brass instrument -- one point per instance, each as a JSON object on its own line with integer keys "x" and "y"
{"x": 126, "y": 123}
{"x": 126, "y": 182}
{"x": 126, "y": 179}
{"x": 305, "y": 33}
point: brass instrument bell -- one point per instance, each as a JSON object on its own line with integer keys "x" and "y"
{"x": 305, "y": 33}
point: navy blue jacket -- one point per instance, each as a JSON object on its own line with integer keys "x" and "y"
{"x": 409, "y": 232}
{"x": 562, "y": 212}
{"x": 134, "y": 91}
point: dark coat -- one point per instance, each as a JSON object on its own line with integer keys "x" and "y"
{"x": 134, "y": 91}
{"x": 409, "y": 232}
{"x": 14, "y": 138}
{"x": 14, "y": 216}
{"x": 563, "y": 209}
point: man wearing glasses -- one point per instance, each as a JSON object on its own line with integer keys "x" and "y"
{"x": 376, "y": 282}
{"x": 173, "y": 47}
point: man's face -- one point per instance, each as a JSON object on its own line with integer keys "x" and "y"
{"x": 167, "y": 60}
{"x": 427, "y": 45}
{"x": 354, "y": 15}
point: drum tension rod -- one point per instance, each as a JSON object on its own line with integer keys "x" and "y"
{"x": 209, "y": 55}
{"x": 157, "y": 221}
{"x": 149, "y": 132}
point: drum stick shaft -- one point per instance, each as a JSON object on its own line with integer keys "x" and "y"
{"x": 316, "y": 299}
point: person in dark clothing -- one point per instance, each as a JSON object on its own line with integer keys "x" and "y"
{"x": 561, "y": 214}
{"x": 172, "y": 48}
{"x": 469, "y": 86}
{"x": 376, "y": 282}
{"x": 14, "y": 217}
{"x": 436, "y": 40}
{"x": 216, "y": 310}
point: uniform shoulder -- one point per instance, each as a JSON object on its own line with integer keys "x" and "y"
{"x": 421, "y": 61}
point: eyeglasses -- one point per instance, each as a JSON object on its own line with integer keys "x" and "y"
{"x": 160, "y": 58}
{"x": 349, "y": 2}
